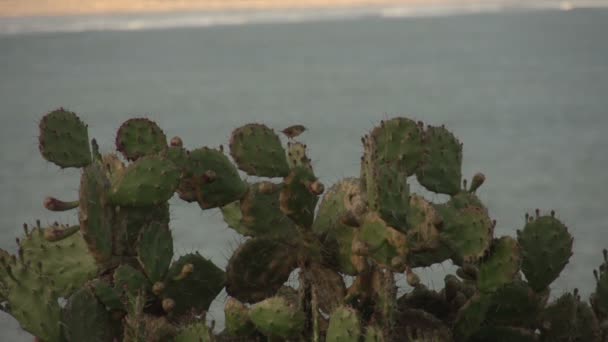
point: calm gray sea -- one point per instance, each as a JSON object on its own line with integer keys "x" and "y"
{"x": 527, "y": 93}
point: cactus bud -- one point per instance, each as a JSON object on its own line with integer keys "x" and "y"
{"x": 168, "y": 305}
{"x": 412, "y": 278}
{"x": 187, "y": 269}
{"x": 176, "y": 142}
{"x": 158, "y": 288}
{"x": 54, "y": 204}
{"x": 477, "y": 181}
{"x": 316, "y": 188}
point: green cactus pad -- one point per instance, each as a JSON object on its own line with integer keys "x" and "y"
{"x": 128, "y": 223}
{"x": 130, "y": 280}
{"x": 196, "y": 332}
{"x": 299, "y": 196}
{"x": 392, "y": 194}
{"x": 107, "y": 295}
{"x": 513, "y": 304}
{"x": 441, "y": 166}
{"x": 196, "y": 290}
{"x": 214, "y": 179}
{"x": 277, "y": 317}
{"x": 64, "y": 139}
{"x": 296, "y": 155}
{"x": 327, "y": 284}
{"x": 423, "y": 220}
{"x": 178, "y": 156}
{"x": 501, "y": 266}
{"x": 150, "y": 180}
{"x": 140, "y": 137}
{"x": 467, "y": 232}
{"x": 373, "y": 334}
{"x": 600, "y": 297}
{"x": 237, "y": 318}
{"x": 423, "y": 238}
{"x": 66, "y": 262}
{"x": 95, "y": 214}
{"x": 112, "y": 165}
{"x": 558, "y": 320}
{"x": 31, "y": 298}
{"x": 383, "y": 242}
{"x": 546, "y": 248}
{"x": 232, "y": 216}
{"x": 587, "y": 325}
{"x": 155, "y": 250}
{"x": 262, "y": 215}
{"x": 504, "y": 334}
{"x": 470, "y": 317}
{"x": 341, "y": 200}
{"x": 258, "y": 268}
{"x": 86, "y": 319}
{"x": 257, "y": 150}
{"x": 465, "y": 199}
{"x": 421, "y": 298}
{"x": 419, "y": 325}
{"x": 398, "y": 140}
{"x": 344, "y": 325}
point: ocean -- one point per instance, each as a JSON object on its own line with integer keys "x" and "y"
{"x": 526, "y": 91}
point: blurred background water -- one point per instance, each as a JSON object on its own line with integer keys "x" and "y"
{"x": 526, "y": 92}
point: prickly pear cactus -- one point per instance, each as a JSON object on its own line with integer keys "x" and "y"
{"x": 115, "y": 276}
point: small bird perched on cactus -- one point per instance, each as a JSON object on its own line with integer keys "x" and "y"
{"x": 293, "y": 131}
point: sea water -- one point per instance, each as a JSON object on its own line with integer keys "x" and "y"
{"x": 525, "y": 91}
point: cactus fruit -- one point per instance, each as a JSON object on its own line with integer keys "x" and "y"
{"x": 64, "y": 139}
{"x": 277, "y": 317}
{"x": 501, "y": 266}
{"x": 54, "y": 204}
{"x": 150, "y": 180}
{"x": 140, "y": 137}
{"x": 546, "y": 248}
{"x": 86, "y": 319}
{"x": 344, "y": 325}
{"x": 257, "y": 150}
{"x": 440, "y": 167}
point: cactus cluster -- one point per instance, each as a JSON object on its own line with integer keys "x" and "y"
{"x": 121, "y": 281}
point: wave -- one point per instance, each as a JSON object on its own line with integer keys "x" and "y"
{"x": 135, "y": 22}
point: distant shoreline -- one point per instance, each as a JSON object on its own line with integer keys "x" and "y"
{"x": 45, "y": 8}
